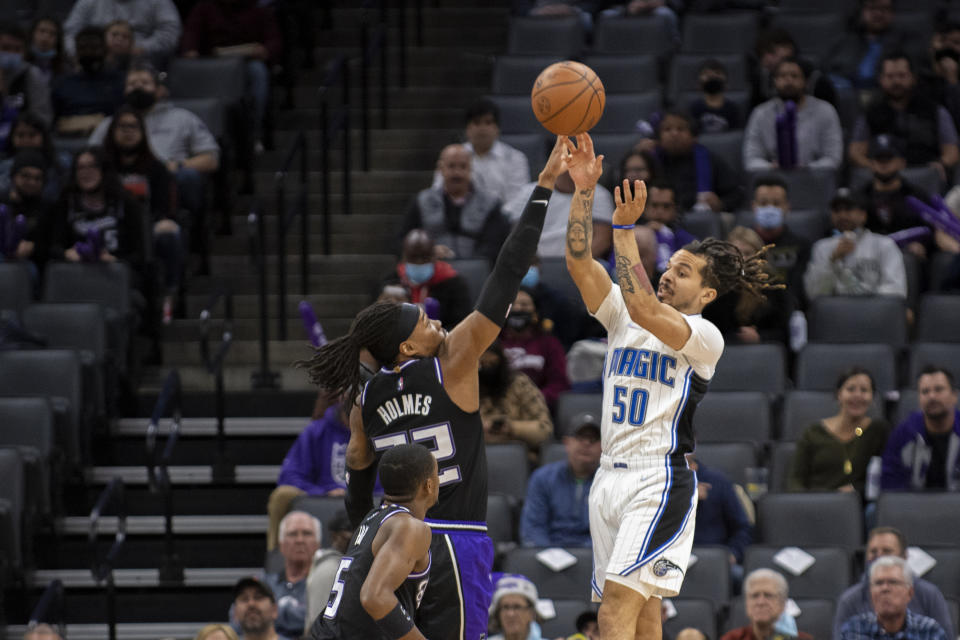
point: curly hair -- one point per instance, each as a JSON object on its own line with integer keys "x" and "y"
{"x": 728, "y": 270}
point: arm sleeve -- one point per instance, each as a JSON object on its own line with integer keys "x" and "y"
{"x": 359, "y": 498}
{"x": 534, "y": 530}
{"x": 704, "y": 346}
{"x": 166, "y": 31}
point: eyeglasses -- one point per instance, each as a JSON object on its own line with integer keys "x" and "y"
{"x": 879, "y": 584}
{"x": 514, "y": 607}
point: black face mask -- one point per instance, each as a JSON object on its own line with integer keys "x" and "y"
{"x": 886, "y": 178}
{"x": 140, "y": 99}
{"x": 90, "y": 64}
{"x": 519, "y": 320}
{"x": 713, "y": 85}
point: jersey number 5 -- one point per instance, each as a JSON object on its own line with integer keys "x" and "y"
{"x": 438, "y": 438}
{"x": 636, "y": 412}
{"x": 336, "y": 593}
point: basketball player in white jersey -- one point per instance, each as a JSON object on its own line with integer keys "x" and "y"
{"x": 660, "y": 358}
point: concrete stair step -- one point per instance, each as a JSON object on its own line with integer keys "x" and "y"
{"x": 381, "y": 159}
{"x": 333, "y": 323}
{"x": 442, "y": 116}
{"x": 397, "y": 97}
{"x": 391, "y": 182}
{"x": 463, "y": 36}
{"x": 205, "y": 427}
{"x": 242, "y": 353}
{"x": 237, "y": 375}
{"x": 125, "y": 631}
{"x": 247, "y": 306}
{"x": 433, "y": 17}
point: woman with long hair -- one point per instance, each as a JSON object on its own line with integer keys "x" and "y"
{"x": 46, "y": 47}
{"x": 29, "y": 131}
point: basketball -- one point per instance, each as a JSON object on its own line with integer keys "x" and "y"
{"x": 568, "y": 98}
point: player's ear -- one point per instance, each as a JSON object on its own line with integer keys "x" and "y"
{"x": 708, "y": 295}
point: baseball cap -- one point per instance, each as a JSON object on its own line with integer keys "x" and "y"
{"x": 885, "y": 146}
{"x": 845, "y": 199}
{"x": 585, "y": 425}
{"x": 514, "y": 584}
{"x": 258, "y": 584}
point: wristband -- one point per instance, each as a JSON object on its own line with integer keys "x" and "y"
{"x": 395, "y": 624}
{"x": 622, "y": 226}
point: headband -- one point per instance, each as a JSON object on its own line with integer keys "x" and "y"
{"x": 409, "y": 316}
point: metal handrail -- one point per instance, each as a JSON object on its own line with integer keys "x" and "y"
{"x": 51, "y": 608}
{"x": 262, "y": 378}
{"x": 285, "y": 218}
{"x": 102, "y": 569}
{"x": 158, "y": 474}
{"x": 223, "y": 469}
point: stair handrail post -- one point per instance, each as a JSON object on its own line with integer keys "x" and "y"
{"x": 402, "y": 40}
{"x": 345, "y": 105}
{"x": 384, "y": 73}
{"x": 102, "y": 569}
{"x": 325, "y": 171}
{"x": 262, "y": 378}
{"x": 304, "y": 206}
{"x": 223, "y": 469}
{"x": 279, "y": 181}
{"x": 51, "y": 608}
{"x": 364, "y": 91}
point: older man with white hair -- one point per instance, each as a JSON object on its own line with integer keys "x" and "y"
{"x": 765, "y": 592}
{"x": 891, "y": 588}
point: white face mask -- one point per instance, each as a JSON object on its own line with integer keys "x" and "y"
{"x": 768, "y": 216}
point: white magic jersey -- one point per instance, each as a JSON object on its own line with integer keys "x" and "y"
{"x": 650, "y": 391}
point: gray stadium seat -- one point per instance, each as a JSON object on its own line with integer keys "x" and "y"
{"x": 551, "y": 452}
{"x": 730, "y": 416}
{"x": 814, "y": 33}
{"x": 842, "y": 7}
{"x": 221, "y": 78}
{"x": 625, "y": 74}
{"x": 26, "y": 425}
{"x": 939, "y": 269}
{"x": 946, "y": 573}
{"x": 926, "y": 178}
{"x": 944, "y": 354}
{"x": 802, "y": 407}
{"x": 53, "y": 374}
{"x": 732, "y": 458}
{"x": 500, "y": 525}
{"x": 733, "y": 32}
{"x": 321, "y": 507}
{"x": 781, "y": 459}
{"x": 829, "y": 575}
{"x": 570, "y": 404}
{"x": 11, "y": 510}
{"x": 698, "y": 613}
{"x": 564, "y": 623}
{"x": 953, "y": 606}
{"x": 806, "y": 188}
{"x": 553, "y": 271}
{"x": 858, "y": 319}
{"x": 926, "y": 519}
{"x": 683, "y": 75}
{"x": 906, "y": 405}
{"x": 474, "y": 271}
{"x": 533, "y": 145}
{"x": 16, "y": 287}
{"x": 818, "y": 365}
{"x": 810, "y": 519}
{"x": 913, "y": 269}
{"x": 938, "y": 319}
{"x": 572, "y": 583}
{"x": 816, "y": 616}
{"x": 507, "y": 469}
{"x": 613, "y": 146}
{"x": 709, "y": 576}
{"x": 623, "y": 111}
{"x": 560, "y": 37}
{"x": 702, "y": 224}
{"x": 754, "y": 367}
{"x": 515, "y": 75}
{"x": 917, "y": 23}
{"x": 516, "y": 115}
{"x": 211, "y": 111}
{"x": 634, "y": 36}
{"x": 727, "y": 145}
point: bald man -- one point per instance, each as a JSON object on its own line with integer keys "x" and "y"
{"x": 465, "y": 221}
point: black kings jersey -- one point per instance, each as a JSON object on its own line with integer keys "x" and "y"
{"x": 344, "y": 616}
{"x": 411, "y": 405}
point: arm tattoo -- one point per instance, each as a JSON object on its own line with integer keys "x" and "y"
{"x": 643, "y": 278}
{"x": 580, "y": 226}
{"x": 623, "y": 274}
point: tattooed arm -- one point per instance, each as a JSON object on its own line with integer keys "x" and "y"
{"x": 588, "y": 274}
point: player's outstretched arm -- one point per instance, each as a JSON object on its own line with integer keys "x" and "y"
{"x": 406, "y": 542}
{"x": 660, "y": 319}
{"x": 588, "y": 274}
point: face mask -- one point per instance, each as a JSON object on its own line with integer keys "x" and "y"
{"x": 419, "y": 273}
{"x": 140, "y": 99}
{"x": 532, "y": 277}
{"x": 768, "y": 217}
{"x": 713, "y": 85}
{"x": 90, "y": 64}
{"x": 786, "y": 624}
{"x": 43, "y": 55}
{"x": 887, "y": 178}
{"x": 10, "y": 61}
{"x": 519, "y": 320}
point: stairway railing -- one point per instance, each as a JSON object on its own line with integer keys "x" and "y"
{"x": 262, "y": 378}
{"x": 223, "y": 469}
{"x": 51, "y": 609}
{"x": 102, "y": 569}
{"x": 284, "y": 219}
{"x": 158, "y": 474}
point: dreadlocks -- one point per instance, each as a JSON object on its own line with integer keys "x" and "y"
{"x": 335, "y": 367}
{"x": 728, "y": 270}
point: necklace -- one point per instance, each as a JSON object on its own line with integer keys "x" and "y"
{"x": 847, "y": 462}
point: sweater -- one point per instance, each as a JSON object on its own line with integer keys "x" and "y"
{"x": 906, "y": 459}
{"x": 819, "y": 460}
{"x": 874, "y": 267}
{"x": 156, "y": 23}
{"x": 316, "y": 462}
{"x": 819, "y": 135}
{"x": 541, "y": 357}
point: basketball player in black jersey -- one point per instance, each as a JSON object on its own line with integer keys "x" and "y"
{"x": 383, "y": 574}
{"x": 428, "y": 392}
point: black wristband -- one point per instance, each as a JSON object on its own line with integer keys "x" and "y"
{"x": 396, "y": 624}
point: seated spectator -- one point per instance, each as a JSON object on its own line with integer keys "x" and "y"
{"x": 255, "y": 608}
{"x": 772, "y": 47}
{"x": 745, "y": 318}
{"x": 771, "y": 213}
{"x": 661, "y": 216}
{"x": 30, "y": 132}
{"x": 511, "y": 407}
{"x": 922, "y": 452}
{"x": 532, "y": 350}
{"x": 811, "y": 126}
{"x": 513, "y": 612}
{"x": 23, "y": 87}
{"x": 83, "y": 99}
{"x": 765, "y": 594}
{"x": 891, "y": 589}
{"x": 156, "y": 24}
{"x": 913, "y": 117}
{"x": 43, "y": 631}
{"x": 177, "y": 137}
{"x": 423, "y": 276}
{"x": 721, "y": 517}
{"x": 325, "y": 565}
{"x": 926, "y": 601}
{"x": 46, "y": 48}
{"x": 700, "y": 178}
{"x": 556, "y": 510}
{"x": 553, "y": 240}
{"x": 299, "y": 537}
{"x": 146, "y": 179}
{"x": 940, "y": 72}
{"x": 636, "y": 164}
{"x": 238, "y": 28}
{"x": 852, "y": 61}
{"x": 854, "y": 261}
{"x": 833, "y": 454}
{"x": 464, "y": 220}
{"x": 119, "y": 37}
{"x": 587, "y": 625}
{"x": 712, "y": 111}
{"x": 885, "y": 196}
{"x": 216, "y": 632}
{"x": 25, "y": 198}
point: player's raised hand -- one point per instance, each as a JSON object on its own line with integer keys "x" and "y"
{"x": 629, "y": 205}
{"x": 554, "y": 166}
{"x": 584, "y": 166}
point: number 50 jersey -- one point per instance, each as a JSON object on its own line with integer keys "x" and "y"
{"x": 409, "y": 404}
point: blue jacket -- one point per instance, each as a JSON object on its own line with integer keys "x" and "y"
{"x": 907, "y": 456}
{"x": 555, "y": 513}
{"x": 721, "y": 518}
{"x": 316, "y": 462}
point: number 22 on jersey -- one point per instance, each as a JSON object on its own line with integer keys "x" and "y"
{"x": 437, "y": 437}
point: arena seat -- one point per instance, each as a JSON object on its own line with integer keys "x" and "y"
{"x": 623, "y": 111}
{"x": 613, "y": 146}
{"x": 564, "y": 622}
{"x": 727, "y": 145}
{"x": 507, "y": 469}
{"x": 551, "y": 452}
{"x": 212, "y": 111}
{"x": 814, "y": 33}
{"x": 572, "y": 583}
{"x": 906, "y": 405}
{"x": 802, "y": 407}
{"x": 818, "y": 365}
{"x": 858, "y": 319}
{"x": 730, "y": 416}
{"x": 682, "y": 75}
{"x": 322, "y": 508}
{"x": 752, "y": 367}
{"x": 709, "y": 576}
{"x": 926, "y": 519}
{"x": 516, "y": 116}
{"x": 827, "y": 577}
{"x": 816, "y": 616}
{"x": 475, "y": 272}
{"x": 781, "y": 457}
{"x": 631, "y": 36}
{"x": 570, "y": 404}
{"x": 16, "y": 287}
{"x": 553, "y": 271}
{"x": 702, "y": 224}
{"x": 500, "y": 522}
{"x": 625, "y": 74}
{"x": 222, "y": 78}
{"x": 811, "y": 519}
{"x": 940, "y": 269}
{"x": 561, "y": 37}
{"x": 698, "y": 613}
{"x": 944, "y": 354}
{"x": 11, "y": 511}
{"x": 719, "y": 33}
{"x": 732, "y": 458}
{"x": 841, "y": 7}
{"x": 533, "y": 146}
{"x": 515, "y": 75}
{"x": 946, "y": 573}
{"x": 26, "y": 426}
{"x": 938, "y": 318}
